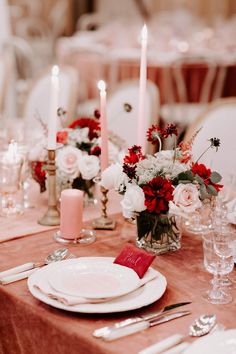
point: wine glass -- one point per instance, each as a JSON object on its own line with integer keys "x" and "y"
{"x": 10, "y": 172}
{"x": 218, "y": 260}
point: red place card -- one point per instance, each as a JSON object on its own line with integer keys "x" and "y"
{"x": 135, "y": 258}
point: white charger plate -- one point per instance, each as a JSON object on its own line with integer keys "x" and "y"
{"x": 146, "y": 295}
{"x": 216, "y": 343}
{"x": 93, "y": 279}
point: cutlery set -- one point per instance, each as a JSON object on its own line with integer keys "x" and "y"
{"x": 139, "y": 323}
{"x": 25, "y": 270}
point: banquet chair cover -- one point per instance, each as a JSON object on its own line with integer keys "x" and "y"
{"x": 217, "y": 121}
{"x": 6, "y": 75}
{"x": 205, "y": 82}
{"x": 37, "y": 106}
{"x": 125, "y": 124}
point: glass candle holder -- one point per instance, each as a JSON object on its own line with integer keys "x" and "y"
{"x": 10, "y": 179}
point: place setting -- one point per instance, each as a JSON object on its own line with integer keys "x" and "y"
{"x": 99, "y": 284}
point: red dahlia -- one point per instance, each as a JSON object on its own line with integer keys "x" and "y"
{"x": 205, "y": 174}
{"x": 158, "y": 192}
{"x": 91, "y": 123}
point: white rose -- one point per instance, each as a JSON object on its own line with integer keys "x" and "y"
{"x": 186, "y": 199}
{"x": 67, "y": 160}
{"x": 133, "y": 201}
{"x": 113, "y": 177}
{"x": 89, "y": 166}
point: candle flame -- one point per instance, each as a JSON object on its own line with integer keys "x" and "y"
{"x": 144, "y": 33}
{"x": 101, "y": 85}
{"x": 55, "y": 70}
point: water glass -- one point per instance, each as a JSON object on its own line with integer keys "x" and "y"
{"x": 218, "y": 260}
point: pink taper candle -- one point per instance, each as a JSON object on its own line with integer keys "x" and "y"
{"x": 142, "y": 90}
{"x": 103, "y": 119}
{"x": 71, "y": 213}
{"x": 52, "y": 121}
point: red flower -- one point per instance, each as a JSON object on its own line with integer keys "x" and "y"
{"x": 205, "y": 174}
{"x": 96, "y": 150}
{"x": 62, "y": 137}
{"x": 153, "y": 134}
{"x": 91, "y": 123}
{"x": 97, "y": 113}
{"x": 170, "y": 130}
{"x": 134, "y": 156}
{"x": 202, "y": 171}
{"x": 158, "y": 192}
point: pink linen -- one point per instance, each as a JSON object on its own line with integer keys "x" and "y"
{"x": 26, "y": 224}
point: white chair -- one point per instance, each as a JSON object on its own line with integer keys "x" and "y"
{"x": 187, "y": 77}
{"x": 6, "y": 75}
{"x": 219, "y": 121}
{"x": 37, "y": 106}
{"x": 123, "y": 122}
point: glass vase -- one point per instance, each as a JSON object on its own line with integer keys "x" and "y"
{"x": 158, "y": 233}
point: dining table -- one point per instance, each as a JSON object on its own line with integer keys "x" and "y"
{"x": 29, "y": 326}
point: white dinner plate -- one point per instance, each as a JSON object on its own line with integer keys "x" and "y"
{"x": 143, "y": 296}
{"x": 93, "y": 280}
{"x": 216, "y": 343}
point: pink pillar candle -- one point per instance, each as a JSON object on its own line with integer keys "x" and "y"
{"x": 103, "y": 119}
{"x": 142, "y": 90}
{"x": 71, "y": 213}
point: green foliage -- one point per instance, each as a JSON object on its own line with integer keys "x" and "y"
{"x": 156, "y": 227}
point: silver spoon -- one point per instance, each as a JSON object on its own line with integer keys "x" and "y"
{"x": 202, "y": 325}
{"x": 55, "y": 256}
{"x": 198, "y": 328}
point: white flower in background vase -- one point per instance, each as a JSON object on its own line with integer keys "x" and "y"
{"x": 114, "y": 178}
{"x": 133, "y": 201}
{"x": 185, "y": 199}
{"x": 89, "y": 166}
{"x": 67, "y": 160}
{"x": 78, "y": 136}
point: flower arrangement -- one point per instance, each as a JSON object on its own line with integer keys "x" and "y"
{"x": 77, "y": 158}
{"x": 159, "y": 187}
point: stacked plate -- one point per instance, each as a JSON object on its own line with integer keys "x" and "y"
{"x": 95, "y": 285}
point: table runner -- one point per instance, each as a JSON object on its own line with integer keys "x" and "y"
{"x": 26, "y": 224}
{"x": 28, "y": 326}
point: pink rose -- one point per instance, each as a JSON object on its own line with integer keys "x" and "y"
{"x": 186, "y": 199}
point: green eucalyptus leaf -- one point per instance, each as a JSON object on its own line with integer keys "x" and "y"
{"x": 211, "y": 190}
{"x": 199, "y": 179}
{"x": 203, "y": 192}
{"x": 215, "y": 177}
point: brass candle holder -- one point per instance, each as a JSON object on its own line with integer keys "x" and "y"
{"x": 52, "y": 215}
{"x": 104, "y": 222}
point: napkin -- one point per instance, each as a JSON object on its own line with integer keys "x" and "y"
{"x": 70, "y": 300}
{"x": 137, "y": 259}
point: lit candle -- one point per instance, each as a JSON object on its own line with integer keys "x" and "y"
{"x": 103, "y": 120}
{"x": 142, "y": 89}
{"x": 71, "y": 213}
{"x": 54, "y": 97}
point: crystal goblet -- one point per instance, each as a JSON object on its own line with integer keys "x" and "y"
{"x": 217, "y": 261}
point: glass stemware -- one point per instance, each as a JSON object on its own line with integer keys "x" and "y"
{"x": 10, "y": 171}
{"x": 218, "y": 260}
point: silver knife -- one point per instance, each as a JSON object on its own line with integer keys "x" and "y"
{"x": 100, "y": 332}
{"x": 140, "y": 326}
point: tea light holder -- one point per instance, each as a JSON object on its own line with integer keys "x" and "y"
{"x": 104, "y": 222}
{"x": 52, "y": 215}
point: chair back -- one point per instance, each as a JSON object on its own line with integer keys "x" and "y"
{"x": 217, "y": 121}
{"x": 122, "y": 110}
{"x": 37, "y": 106}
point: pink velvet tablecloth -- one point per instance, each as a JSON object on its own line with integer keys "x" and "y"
{"x": 28, "y": 326}
{"x": 27, "y": 224}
